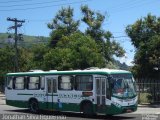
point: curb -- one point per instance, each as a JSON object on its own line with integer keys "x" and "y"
{"x": 150, "y": 106}
{"x": 2, "y": 95}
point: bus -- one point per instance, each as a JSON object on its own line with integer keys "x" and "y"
{"x": 89, "y": 91}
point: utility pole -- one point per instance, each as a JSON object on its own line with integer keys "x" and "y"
{"x": 17, "y": 23}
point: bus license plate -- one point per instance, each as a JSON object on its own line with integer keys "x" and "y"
{"x": 128, "y": 110}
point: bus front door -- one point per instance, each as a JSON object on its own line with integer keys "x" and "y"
{"x": 51, "y": 92}
{"x": 101, "y": 94}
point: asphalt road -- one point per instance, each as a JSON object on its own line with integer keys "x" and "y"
{"x": 43, "y": 115}
{"x": 5, "y": 110}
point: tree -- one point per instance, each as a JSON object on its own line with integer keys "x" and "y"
{"x": 6, "y": 62}
{"x": 38, "y": 52}
{"x": 94, "y": 20}
{"x": 76, "y": 51}
{"x": 25, "y": 59}
{"x": 64, "y": 27}
{"x": 63, "y": 24}
{"x": 144, "y": 34}
{"x": 108, "y": 48}
{"x": 142, "y": 30}
{"x": 111, "y": 47}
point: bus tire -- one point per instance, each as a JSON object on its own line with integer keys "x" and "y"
{"x": 87, "y": 108}
{"x": 33, "y": 106}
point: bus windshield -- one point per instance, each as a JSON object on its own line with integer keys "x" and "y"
{"x": 123, "y": 85}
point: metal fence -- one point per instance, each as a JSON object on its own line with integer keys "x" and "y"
{"x": 2, "y": 83}
{"x": 148, "y": 90}
{"x": 1, "y": 88}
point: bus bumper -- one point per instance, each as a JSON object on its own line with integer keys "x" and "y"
{"x": 113, "y": 110}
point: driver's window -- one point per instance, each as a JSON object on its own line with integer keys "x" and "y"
{"x": 9, "y": 82}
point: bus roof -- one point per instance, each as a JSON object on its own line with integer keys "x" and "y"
{"x": 103, "y": 71}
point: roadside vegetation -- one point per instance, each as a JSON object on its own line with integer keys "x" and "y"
{"x": 70, "y": 48}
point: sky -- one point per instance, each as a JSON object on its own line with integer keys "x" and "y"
{"x": 119, "y": 14}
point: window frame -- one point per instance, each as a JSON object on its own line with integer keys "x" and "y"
{"x": 12, "y": 78}
{"x": 28, "y": 79}
{"x": 75, "y": 83}
{"x": 71, "y": 81}
{"x": 42, "y": 78}
{"x": 14, "y": 82}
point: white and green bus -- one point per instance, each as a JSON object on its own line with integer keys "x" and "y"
{"x": 90, "y": 91}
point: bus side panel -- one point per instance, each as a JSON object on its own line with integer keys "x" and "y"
{"x": 20, "y": 98}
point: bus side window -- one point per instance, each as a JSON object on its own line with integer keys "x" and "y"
{"x": 54, "y": 86}
{"x": 34, "y": 83}
{"x": 42, "y": 83}
{"x": 18, "y": 83}
{"x": 9, "y": 82}
{"x": 84, "y": 82}
{"x": 65, "y": 82}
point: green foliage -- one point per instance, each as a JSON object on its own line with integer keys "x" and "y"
{"x": 74, "y": 52}
{"x": 145, "y": 98}
{"x": 24, "y": 59}
{"x": 38, "y": 52}
{"x": 70, "y": 48}
{"x": 63, "y": 24}
{"x": 153, "y": 50}
{"x": 26, "y": 38}
{"x": 6, "y": 62}
{"x": 143, "y": 29}
{"x": 59, "y": 59}
{"x": 94, "y": 20}
{"x": 144, "y": 34}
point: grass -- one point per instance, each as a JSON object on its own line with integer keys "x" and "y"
{"x": 145, "y": 98}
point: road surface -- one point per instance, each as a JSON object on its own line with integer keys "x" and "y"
{"x": 140, "y": 114}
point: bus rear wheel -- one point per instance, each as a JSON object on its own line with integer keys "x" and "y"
{"x": 33, "y": 106}
{"x": 87, "y": 109}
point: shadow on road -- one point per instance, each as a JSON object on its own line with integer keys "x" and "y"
{"x": 77, "y": 115}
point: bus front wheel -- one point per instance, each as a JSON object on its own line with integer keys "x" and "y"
{"x": 33, "y": 106}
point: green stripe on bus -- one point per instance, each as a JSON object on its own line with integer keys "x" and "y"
{"x": 68, "y": 73}
{"x": 52, "y": 95}
{"x": 33, "y": 94}
{"x": 110, "y": 110}
{"x": 23, "y": 94}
